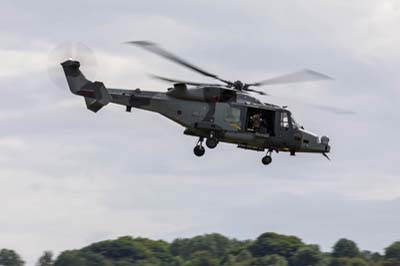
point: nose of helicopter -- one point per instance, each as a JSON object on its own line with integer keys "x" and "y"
{"x": 313, "y": 143}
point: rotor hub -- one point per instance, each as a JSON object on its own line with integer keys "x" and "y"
{"x": 238, "y": 85}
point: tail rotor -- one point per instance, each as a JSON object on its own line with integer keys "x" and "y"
{"x": 70, "y": 51}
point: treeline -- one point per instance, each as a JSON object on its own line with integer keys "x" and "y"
{"x": 269, "y": 249}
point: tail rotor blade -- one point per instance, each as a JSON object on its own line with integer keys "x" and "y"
{"x": 87, "y": 58}
{"x": 70, "y": 50}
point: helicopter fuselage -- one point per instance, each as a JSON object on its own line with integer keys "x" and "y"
{"x": 227, "y": 118}
{"x": 215, "y": 113}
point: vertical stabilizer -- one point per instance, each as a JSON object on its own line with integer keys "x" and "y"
{"x": 95, "y": 93}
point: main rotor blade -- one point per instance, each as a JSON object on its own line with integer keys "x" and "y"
{"x": 182, "y": 81}
{"x": 256, "y": 91}
{"x": 154, "y": 48}
{"x": 331, "y": 109}
{"x": 326, "y": 108}
{"x": 300, "y": 76}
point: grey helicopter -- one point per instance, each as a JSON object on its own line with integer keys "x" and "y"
{"x": 214, "y": 112}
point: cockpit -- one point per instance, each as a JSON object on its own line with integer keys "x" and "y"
{"x": 296, "y": 125}
{"x": 270, "y": 121}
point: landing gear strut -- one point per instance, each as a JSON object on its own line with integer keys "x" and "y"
{"x": 212, "y": 141}
{"x": 267, "y": 159}
{"x": 199, "y": 149}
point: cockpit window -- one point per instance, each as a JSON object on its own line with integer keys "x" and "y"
{"x": 295, "y": 125}
{"x": 284, "y": 120}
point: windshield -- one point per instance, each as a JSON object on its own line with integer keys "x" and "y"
{"x": 295, "y": 125}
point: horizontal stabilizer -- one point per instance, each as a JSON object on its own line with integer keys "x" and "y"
{"x": 100, "y": 97}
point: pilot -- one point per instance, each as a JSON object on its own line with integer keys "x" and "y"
{"x": 255, "y": 121}
{"x": 263, "y": 125}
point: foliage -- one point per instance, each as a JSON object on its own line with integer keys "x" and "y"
{"x": 374, "y": 257}
{"x": 244, "y": 255}
{"x": 9, "y": 257}
{"x": 80, "y": 258}
{"x": 46, "y": 259}
{"x": 308, "y": 255}
{"x": 270, "y": 260}
{"x": 215, "y": 244}
{"x": 269, "y": 249}
{"x": 393, "y": 252}
{"x": 202, "y": 258}
{"x": 349, "y": 262}
{"x": 345, "y": 248}
{"x": 272, "y": 243}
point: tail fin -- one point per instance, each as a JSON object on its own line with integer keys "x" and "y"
{"x": 95, "y": 93}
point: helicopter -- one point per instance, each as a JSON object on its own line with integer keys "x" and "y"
{"x": 215, "y": 112}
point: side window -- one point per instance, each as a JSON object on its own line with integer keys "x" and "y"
{"x": 232, "y": 115}
{"x": 285, "y": 120}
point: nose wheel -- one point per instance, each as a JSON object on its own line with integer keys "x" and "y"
{"x": 199, "y": 149}
{"x": 267, "y": 159}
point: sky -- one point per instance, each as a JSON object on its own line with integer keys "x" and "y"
{"x": 69, "y": 177}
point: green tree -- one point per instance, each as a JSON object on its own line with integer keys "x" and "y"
{"x": 9, "y": 257}
{"x": 202, "y": 258}
{"x": 123, "y": 247}
{"x": 46, "y": 259}
{"x": 124, "y": 251}
{"x": 123, "y": 263}
{"x": 345, "y": 248}
{"x": 393, "y": 251}
{"x": 374, "y": 258}
{"x": 272, "y": 243}
{"x": 358, "y": 262}
{"x": 390, "y": 262}
{"x": 178, "y": 261}
{"x": 243, "y": 255}
{"x": 308, "y": 255}
{"x": 270, "y": 260}
{"x": 80, "y": 258}
{"x": 149, "y": 262}
{"x": 339, "y": 262}
{"x": 269, "y": 249}
{"x": 217, "y": 245}
{"x": 155, "y": 249}
{"x": 349, "y": 262}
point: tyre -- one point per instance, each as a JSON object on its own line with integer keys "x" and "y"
{"x": 211, "y": 143}
{"x": 267, "y": 160}
{"x": 199, "y": 151}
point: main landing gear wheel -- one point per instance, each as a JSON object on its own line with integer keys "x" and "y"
{"x": 199, "y": 149}
{"x": 211, "y": 143}
{"x": 267, "y": 159}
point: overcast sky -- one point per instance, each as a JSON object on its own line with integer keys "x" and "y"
{"x": 69, "y": 177}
